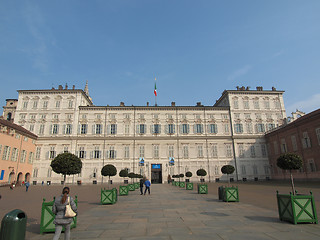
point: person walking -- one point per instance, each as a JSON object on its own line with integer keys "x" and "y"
{"x": 141, "y": 186}
{"x": 27, "y": 186}
{"x": 58, "y": 209}
{"x": 147, "y": 183}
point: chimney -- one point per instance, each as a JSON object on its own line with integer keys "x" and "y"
{"x": 237, "y": 88}
{"x": 274, "y": 89}
{"x": 66, "y": 86}
{"x": 199, "y": 104}
{"x": 121, "y": 104}
{"x": 259, "y": 88}
{"x": 73, "y": 87}
{"x": 147, "y": 104}
{"x": 60, "y": 87}
{"x": 173, "y": 104}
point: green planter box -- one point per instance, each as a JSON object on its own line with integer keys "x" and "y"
{"x": 230, "y": 194}
{"x": 131, "y": 187}
{"x": 177, "y": 184}
{"x": 297, "y": 208}
{"x": 136, "y": 185}
{"x": 123, "y": 190}
{"x": 182, "y": 184}
{"x": 108, "y": 196}
{"x": 173, "y": 183}
{"x": 189, "y": 186}
{"x": 47, "y": 217}
{"x": 202, "y": 188}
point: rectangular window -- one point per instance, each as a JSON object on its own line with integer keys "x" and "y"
{"x": 267, "y": 104}
{"x": 31, "y": 156}
{"x": 41, "y": 129}
{"x": 38, "y": 153}
{"x": 263, "y": 150}
{"x": 81, "y": 152}
{"x": 45, "y": 104}
{"x": 256, "y": 104}
{"x": 171, "y": 151}
{"x": 68, "y": 129}
{"x": 306, "y": 142}
{"x": 141, "y": 128}
{"x": 185, "y": 128}
{"x": 252, "y": 151}
{"x": 241, "y": 150}
{"x": 14, "y": 155}
{"x": 200, "y": 150}
{"x": 275, "y": 146}
{"x": 126, "y": 151}
{"x": 271, "y": 126}
{"x": 31, "y": 128}
{"x": 226, "y": 128}
{"x": 35, "y": 104}
{"x": 23, "y": 156}
{"x": 127, "y": 116}
{"x": 312, "y": 166}
{"x": 228, "y": 150}
{"x": 155, "y": 151}
{"x": 213, "y": 128}
{"x": 318, "y": 135}
{"x": 52, "y": 153}
{"x": 156, "y": 129}
{"x": 126, "y": 129}
{"x": 55, "y": 128}
{"x": 246, "y": 104}
{"x": 214, "y": 151}
{"x": 260, "y": 128}
{"x": 35, "y": 172}
{"x": 243, "y": 170}
{"x": 283, "y": 146}
{"x": 236, "y": 103}
{"x": 238, "y": 128}
{"x": 97, "y": 153}
{"x": 198, "y": 128}
{"x": 255, "y": 170}
{"x": 84, "y": 128}
{"x": 141, "y": 151}
{"x": 171, "y": 129}
{"x": 6, "y": 153}
{"x": 65, "y": 149}
{"x": 70, "y": 104}
{"x": 25, "y": 105}
{"x": 98, "y": 129}
{"x": 185, "y": 150}
{"x": 57, "y": 104}
{"x": 249, "y": 127}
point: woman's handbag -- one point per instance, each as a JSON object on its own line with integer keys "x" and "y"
{"x": 69, "y": 212}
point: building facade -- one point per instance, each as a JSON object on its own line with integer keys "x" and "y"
{"x": 301, "y": 136}
{"x": 17, "y": 150}
{"x": 229, "y": 132}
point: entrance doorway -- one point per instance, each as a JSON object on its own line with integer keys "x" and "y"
{"x": 156, "y": 173}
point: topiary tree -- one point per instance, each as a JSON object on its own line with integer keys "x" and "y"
{"x": 228, "y": 169}
{"x": 131, "y": 176}
{"x": 290, "y": 161}
{"x": 201, "y": 173}
{"x": 66, "y": 164}
{"x": 123, "y": 173}
{"x": 109, "y": 170}
{"x": 188, "y": 174}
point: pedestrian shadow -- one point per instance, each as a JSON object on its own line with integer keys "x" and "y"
{"x": 262, "y": 218}
{"x": 215, "y": 214}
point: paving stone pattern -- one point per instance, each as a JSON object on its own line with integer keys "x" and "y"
{"x": 172, "y": 213}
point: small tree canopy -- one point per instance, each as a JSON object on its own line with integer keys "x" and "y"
{"x": 66, "y": 164}
{"x": 131, "y": 175}
{"x": 189, "y": 174}
{"x": 181, "y": 175}
{"x": 227, "y": 169}
{"x": 201, "y": 172}
{"x": 109, "y": 170}
{"x": 123, "y": 173}
{"x": 289, "y": 161}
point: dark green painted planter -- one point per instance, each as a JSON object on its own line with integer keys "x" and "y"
{"x": 202, "y": 188}
{"x": 123, "y": 190}
{"x": 108, "y": 196}
{"x": 173, "y": 183}
{"x": 182, "y": 184}
{"x": 131, "y": 187}
{"x": 230, "y": 194}
{"x": 47, "y": 217}
{"x": 297, "y": 208}
{"x": 136, "y": 185}
{"x": 189, "y": 186}
{"x": 177, "y": 184}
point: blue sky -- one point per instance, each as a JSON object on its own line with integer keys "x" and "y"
{"x": 196, "y": 49}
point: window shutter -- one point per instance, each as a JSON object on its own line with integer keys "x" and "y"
{"x": 50, "y": 132}
{"x": 47, "y": 155}
{"x": 91, "y": 154}
{"x": 115, "y": 154}
{"x": 194, "y": 128}
{"x": 99, "y": 154}
{"x": 216, "y": 128}
{"x": 167, "y": 129}
{"x": 159, "y": 128}
{"x": 152, "y": 129}
{"x": 115, "y": 128}
{"x": 188, "y": 128}
{"x": 145, "y": 128}
{"x": 173, "y": 128}
{"x": 107, "y": 154}
{"x": 70, "y": 129}
{"x": 64, "y": 129}
{"x": 58, "y": 128}
{"x": 93, "y": 129}
{"x": 79, "y": 127}
{"x": 85, "y": 154}
{"x": 77, "y": 153}
{"x": 137, "y": 129}
{"x": 209, "y": 128}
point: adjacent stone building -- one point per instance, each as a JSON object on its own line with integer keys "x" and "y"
{"x": 144, "y": 138}
{"x": 301, "y": 136}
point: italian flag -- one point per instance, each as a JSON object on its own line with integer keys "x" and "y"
{"x": 155, "y": 87}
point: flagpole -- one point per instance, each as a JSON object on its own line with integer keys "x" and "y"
{"x": 155, "y": 95}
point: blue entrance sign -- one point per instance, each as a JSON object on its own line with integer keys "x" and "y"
{"x": 155, "y": 166}
{"x": 2, "y": 174}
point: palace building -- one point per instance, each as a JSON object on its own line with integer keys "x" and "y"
{"x": 143, "y": 139}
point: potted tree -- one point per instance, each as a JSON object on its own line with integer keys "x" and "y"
{"x": 123, "y": 190}
{"x": 189, "y": 185}
{"x": 295, "y": 208}
{"x": 66, "y": 164}
{"x": 202, "y": 187}
{"x": 131, "y": 185}
{"x": 109, "y": 196}
{"x": 124, "y": 173}
{"x": 228, "y": 194}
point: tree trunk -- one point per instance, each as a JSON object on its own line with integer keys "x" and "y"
{"x": 292, "y": 184}
{"x": 64, "y": 180}
{"x": 228, "y": 180}
{"x": 109, "y": 183}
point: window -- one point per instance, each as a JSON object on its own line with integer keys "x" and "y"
{"x": 68, "y": 129}
{"x": 141, "y": 151}
{"x": 241, "y": 150}
{"x": 41, "y": 129}
{"x": 197, "y": 116}
{"x": 238, "y": 128}
{"x": 52, "y": 153}
{"x": 65, "y": 149}
{"x": 33, "y": 116}
{"x": 22, "y": 116}
{"x": 263, "y": 150}
{"x": 70, "y": 104}
{"x": 38, "y": 153}
{"x": 98, "y": 129}
{"x": 214, "y": 151}
{"x": 14, "y": 155}
{"x": 185, "y": 129}
{"x": 31, "y": 157}
{"x": 283, "y": 146}
{"x": 226, "y": 128}
{"x": 312, "y": 166}
{"x": 198, "y": 128}
{"x": 31, "y": 128}
{"x": 275, "y": 146}
{"x": 237, "y": 115}
{"x": 212, "y": 128}
{"x": 236, "y": 103}
{"x": 82, "y": 153}
{"x": 57, "y": 104}
{"x": 271, "y": 126}
{"x": 243, "y": 170}
{"x": 45, "y": 104}
{"x": 43, "y": 116}
{"x": 141, "y": 128}
{"x": 255, "y": 170}
{"x": 200, "y": 150}
{"x": 6, "y": 153}
{"x": 55, "y": 129}
{"x": 126, "y": 151}
{"x": 171, "y": 151}
{"x": 266, "y": 104}
{"x": 249, "y": 127}
{"x": 277, "y": 104}
{"x": 256, "y": 104}
{"x": 97, "y": 153}
{"x": 49, "y": 173}
{"x": 266, "y": 170}
{"x": 170, "y": 129}
{"x": 35, "y": 172}
{"x": 156, "y": 151}
{"x": 83, "y": 129}
{"x": 228, "y": 150}
{"x": 252, "y": 151}
{"x": 216, "y": 170}
{"x": 246, "y": 104}
{"x": 112, "y": 116}
{"x": 260, "y": 128}
{"x": 306, "y": 143}
{"x": 318, "y": 135}
{"x": 183, "y": 116}
{"x": 224, "y": 116}
{"x": 25, "y": 104}
{"x": 156, "y": 129}
{"x": 35, "y": 104}
{"x": 0, "y": 149}
{"x": 126, "y": 129}
{"x": 141, "y": 116}
{"x": 156, "y": 116}
{"x": 127, "y": 116}
{"x": 23, "y": 156}
{"x": 185, "y": 150}
{"x": 169, "y": 116}
{"x": 98, "y": 116}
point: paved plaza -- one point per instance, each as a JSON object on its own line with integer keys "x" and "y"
{"x": 168, "y": 213}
